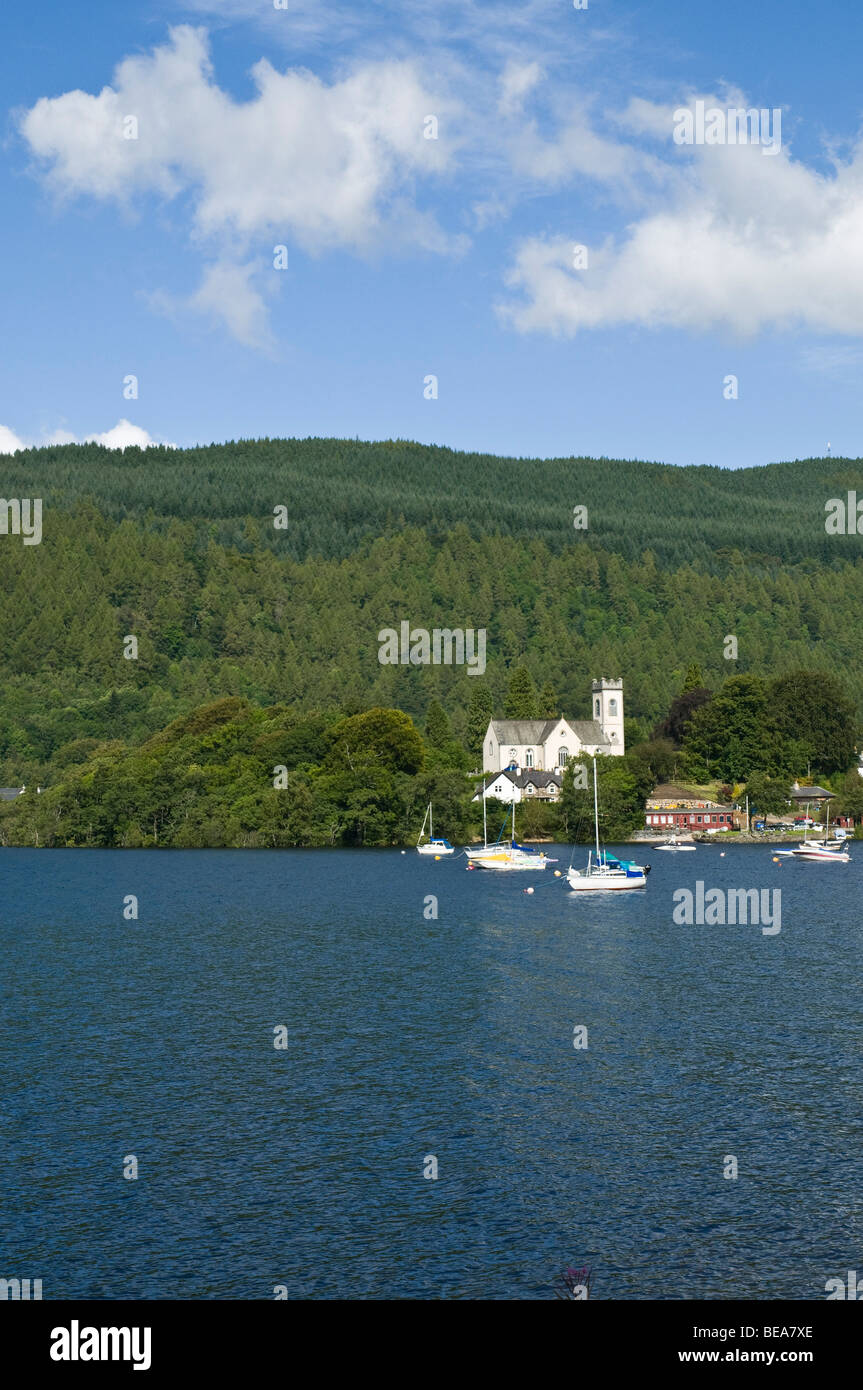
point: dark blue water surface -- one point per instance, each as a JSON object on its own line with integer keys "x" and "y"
{"x": 411, "y": 1037}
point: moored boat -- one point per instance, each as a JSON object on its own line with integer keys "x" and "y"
{"x": 432, "y": 846}
{"x": 824, "y": 851}
{"x": 605, "y": 873}
{"x": 509, "y": 855}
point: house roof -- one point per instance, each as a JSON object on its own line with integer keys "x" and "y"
{"x": 521, "y": 779}
{"x": 811, "y": 794}
{"x": 9, "y": 793}
{"x": 538, "y": 778}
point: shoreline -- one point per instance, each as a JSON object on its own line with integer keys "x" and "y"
{"x": 739, "y": 838}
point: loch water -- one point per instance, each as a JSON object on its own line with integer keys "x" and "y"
{"x": 412, "y": 1036}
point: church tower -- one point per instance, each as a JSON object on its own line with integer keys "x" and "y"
{"x": 608, "y": 711}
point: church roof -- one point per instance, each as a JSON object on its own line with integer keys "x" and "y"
{"x": 524, "y": 731}
{"x": 588, "y": 730}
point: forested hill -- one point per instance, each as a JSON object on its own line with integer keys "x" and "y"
{"x": 341, "y": 493}
{"x": 178, "y": 548}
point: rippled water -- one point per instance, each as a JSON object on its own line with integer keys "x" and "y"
{"x": 411, "y": 1037}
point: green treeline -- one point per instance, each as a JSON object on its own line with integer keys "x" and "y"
{"x": 178, "y": 549}
{"x": 211, "y": 621}
{"x": 233, "y": 774}
{"x": 341, "y": 494}
{"x": 239, "y": 775}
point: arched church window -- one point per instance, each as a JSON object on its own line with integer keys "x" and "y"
{"x": 612, "y": 709}
{"x": 562, "y": 756}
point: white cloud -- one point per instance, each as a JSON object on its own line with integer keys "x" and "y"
{"x": 475, "y": 27}
{"x": 9, "y": 441}
{"x": 516, "y": 81}
{"x": 123, "y": 434}
{"x": 302, "y": 163}
{"x": 321, "y": 165}
{"x": 733, "y": 240}
{"x": 226, "y": 295}
{"x": 718, "y": 237}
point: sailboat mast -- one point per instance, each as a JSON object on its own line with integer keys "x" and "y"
{"x": 484, "y": 830}
{"x": 431, "y": 823}
{"x": 595, "y": 810}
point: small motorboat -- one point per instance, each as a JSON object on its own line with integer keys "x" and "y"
{"x": 677, "y": 843}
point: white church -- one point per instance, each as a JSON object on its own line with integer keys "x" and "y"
{"x": 546, "y": 745}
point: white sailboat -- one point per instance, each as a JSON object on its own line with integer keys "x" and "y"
{"x": 605, "y": 873}
{"x": 824, "y": 851}
{"x": 432, "y": 846}
{"x": 504, "y": 855}
{"x": 476, "y": 854}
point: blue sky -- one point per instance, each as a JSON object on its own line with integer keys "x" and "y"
{"x": 409, "y": 256}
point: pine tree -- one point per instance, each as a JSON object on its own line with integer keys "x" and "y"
{"x": 479, "y": 712}
{"x": 548, "y": 708}
{"x": 521, "y": 696}
{"x": 437, "y": 725}
{"x": 693, "y": 680}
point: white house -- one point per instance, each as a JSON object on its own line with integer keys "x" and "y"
{"x": 522, "y": 786}
{"x": 546, "y": 744}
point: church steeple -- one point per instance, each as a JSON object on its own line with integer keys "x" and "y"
{"x": 608, "y": 709}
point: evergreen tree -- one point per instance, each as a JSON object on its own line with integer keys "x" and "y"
{"x": 521, "y": 700}
{"x": 437, "y": 725}
{"x": 479, "y": 711}
{"x": 548, "y": 706}
{"x": 693, "y": 680}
